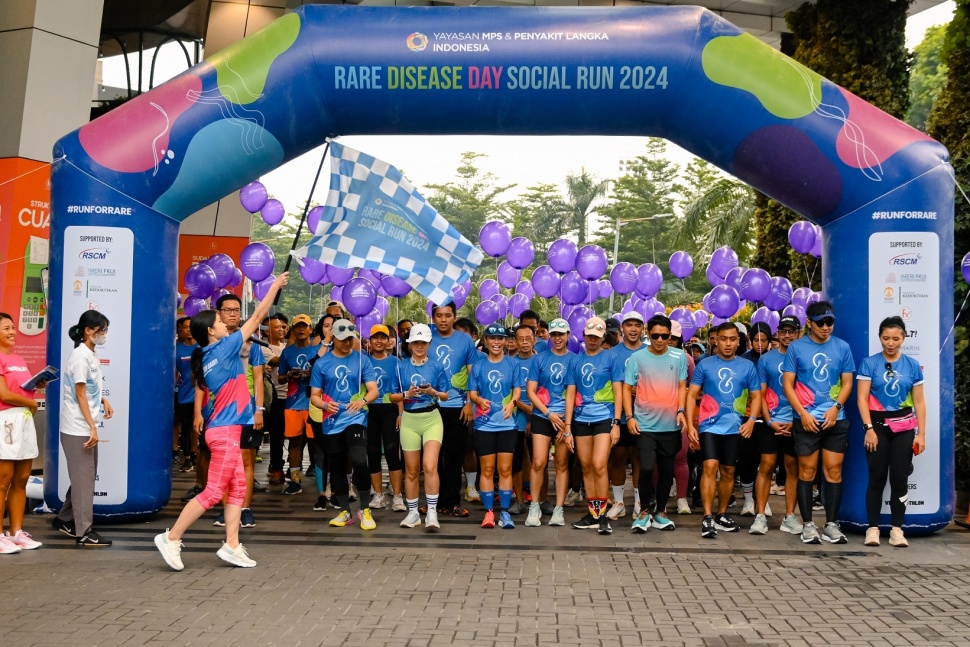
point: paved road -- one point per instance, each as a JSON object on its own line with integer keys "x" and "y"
{"x": 317, "y": 585}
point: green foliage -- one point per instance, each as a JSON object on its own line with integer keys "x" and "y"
{"x": 927, "y": 77}
{"x": 720, "y": 215}
{"x": 541, "y": 215}
{"x": 471, "y": 201}
{"x": 772, "y": 221}
{"x": 950, "y": 124}
{"x": 581, "y": 192}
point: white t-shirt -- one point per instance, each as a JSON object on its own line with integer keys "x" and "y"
{"x": 83, "y": 367}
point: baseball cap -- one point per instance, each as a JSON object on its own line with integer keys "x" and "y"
{"x": 698, "y": 344}
{"x": 790, "y": 322}
{"x": 675, "y": 329}
{"x": 742, "y": 329}
{"x": 595, "y": 327}
{"x": 633, "y": 315}
{"x": 494, "y": 330}
{"x": 379, "y": 329}
{"x": 612, "y": 325}
{"x": 330, "y": 304}
{"x": 420, "y": 332}
{"x": 301, "y": 319}
{"x": 822, "y": 315}
{"x": 343, "y": 329}
{"x": 559, "y": 325}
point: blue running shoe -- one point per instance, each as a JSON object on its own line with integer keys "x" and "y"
{"x": 641, "y": 523}
{"x": 661, "y": 522}
{"x": 505, "y": 520}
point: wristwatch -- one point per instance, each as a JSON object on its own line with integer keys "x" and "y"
{"x": 867, "y": 427}
{"x": 616, "y": 421}
{"x": 682, "y": 410}
{"x": 839, "y": 406}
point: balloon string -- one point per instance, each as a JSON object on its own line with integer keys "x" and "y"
{"x": 955, "y": 319}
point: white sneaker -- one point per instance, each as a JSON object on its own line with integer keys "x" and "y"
{"x": 397, "y": 504}
{"x": 472, "y": 495}
{"x": 767, "y": 509}
{"x": 535, "y": 515}
{"x": 617, "y": 511}
{"x": 7, "y": 547}
{"x": 377, "y": 502}
{"x": 236, "y": 556}
{"x": 558, "y": 519}
{"x": 24, "y": 540}
{"x": 747, "y": 510}
{"x": 413, "y": 519}
{"x": 431, "y": 520}
{"x": 572, "y": 498}
{"x": 171, "y": 550}
{"x": 683, "y": 507}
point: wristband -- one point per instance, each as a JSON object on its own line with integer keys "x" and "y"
{"x": 260, "y": 409}
{"x": 566, "y": 435}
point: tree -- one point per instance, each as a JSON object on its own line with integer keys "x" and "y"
{"x": 949, "y": 123}
{"x": 721, "y": 215}
{"x": 581, "y": 192}
{"x": 471, "y": 201}
{"x": 542, "y": 216}
{"x": 927, "y": 77}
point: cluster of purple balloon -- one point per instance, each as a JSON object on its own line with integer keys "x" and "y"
{"x": 254, "y": 198}
{"x": 208, "y": 280}
{"x": 806, "y": 238}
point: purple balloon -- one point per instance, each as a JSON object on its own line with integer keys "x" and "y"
{"x": 487, "y": 312}
{"x": 459, "y": 293}
{"x": 518, "y": 304}
{"x": 574, "y": 344}
{"x": 562, "y": 255}
{"x": 649, "y": 280}
{"x": 396, "y": 287}
{"x": 725, "y": 301}
{"x": 488, "y": 289}
{"x": 200, "y": 280}
{"x": 237, "y": 278}
{"x": 761, "y": 315}
{"x": 340, "y": 276}
{"x": 382, "y": 306}
{"x": 521, "y": 253}
{"x": 681, "y": 264}
{"x": 494, "y": 238}
{"x": 706, "y": 301}
{"x": 701, "y": 318}
{"x": 525, "y": 287}
{"x": 773, "y": 320}
{"x": 723, "y": 260}
{"x": 224, "y": 268}
{"x": 256, "y": 261}
{"x": 623, "y": 277}
{"x": 508, "y": 275}
{"x": 219, "y": 293}
{"x": 428, "y": 309}
{"x": 193, "y": 306}
{"x": 313, "y": 219}
{"x": 713, "y": 277}
{"x": 502, "y": 302}
{"x": 801, "y": 236}
{"x": 755, "y": 284}
{"x": 577, "y": 318}
{"x": 546, "y": 281}
{"x": 733, "y": 278}
{"x": 253, "y": 196}
{"x": 605, "y": 289}
{"x": 337, "y": 294}
{"x": 261, "y": 288}
{"x": 816, "y": 249}
{"x": 780, "y": 295}
{"x": 800, "y": 297}
{"x": 371, "y": 275}
{"x": 273, "y": 212}
{"x": 815, "y": 298}
{"x": 685, "y": 318}
{"x": 591, "y": 262}
{"x": 574, "y": 288}
{"x": 795, "y": 311}
{"x": 368, "y": 321}
{"x": 312, "y": 270}
{"x": 360, "y": 296}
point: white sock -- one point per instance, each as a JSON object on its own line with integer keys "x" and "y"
{"x": 636, "y": 498}
{"x": 748, "y": 490}
{"x": 617, "y": 493}
{"x": 471, "y": 478}
{"x": 432, "y": 502}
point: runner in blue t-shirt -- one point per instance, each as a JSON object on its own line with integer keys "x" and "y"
{"x": 728, "y": 383}
{"x": 546, "y": 390}
{"x": 594, "y": 403}
{"x": 893, "y": 411}
{"x": 818, "y": 382}
{"x": 493, "y": 390}
{"x": 342, "y": 385}
{"x": 217, "y": 364}
{"x": 185, "y": 394}
{"x": 524, "y": 339}
{"x": 776, "y": 435}
{"x": 294, "y": 372}
{"x": 384, "y": 421}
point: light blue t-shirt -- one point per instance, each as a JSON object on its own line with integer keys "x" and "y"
{"x": 593, "y": 376}
{"x": 890, "y": 389}
{"x": 428, "y": 373}
{"x": 342, "y": 380}
{"x": 455, "y": 353}
{"x": 726, "y": 385}
{"x": 818, "y": 370}
{"x": 549, "y": 372}
{"x": 387, "y": 375}
{"x": 494, "y": 381}
{"x": 770, "y": 373}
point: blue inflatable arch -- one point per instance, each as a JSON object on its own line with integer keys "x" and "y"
{"x": 882, "y": 192}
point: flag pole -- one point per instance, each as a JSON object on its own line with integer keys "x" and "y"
{"x": 306, "y": 209}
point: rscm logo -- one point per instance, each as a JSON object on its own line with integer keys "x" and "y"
{"x": 94, "y": 254}
{"x": 906, "y": 259}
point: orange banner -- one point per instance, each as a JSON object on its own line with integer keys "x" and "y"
{"x": 24, "y": 233}
{"x": 193, "y": 249}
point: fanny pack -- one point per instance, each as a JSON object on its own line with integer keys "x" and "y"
{"x": 898, "y": 423}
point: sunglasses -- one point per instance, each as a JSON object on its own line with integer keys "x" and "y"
{"x": 659, "y": 335}
{"x": 595, "y": 326}
{"x": 558, "y": 325}
{"x": 890, "y": 373}
{"x": 827, "y": 322}
{"x": 787, "y": 331}
{"x": 345, "y": 328}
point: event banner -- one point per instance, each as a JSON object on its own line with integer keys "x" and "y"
{"x": 194, "y": 248}
{"x": 97, "y": 264}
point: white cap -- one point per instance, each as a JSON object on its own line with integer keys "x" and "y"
{"x": 420, "y": 332}
{"x": 633, "y": 315}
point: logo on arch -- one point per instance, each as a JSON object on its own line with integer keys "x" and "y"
{"x": 417, "y": 42}
{"x": 906, "y": 260}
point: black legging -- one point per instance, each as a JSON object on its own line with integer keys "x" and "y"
{"x": 893, "y": 458}
{"x": 354, "y": 451}
{"x": 749, "y": 460}
{"x": 276, "y": 424}
{"x": 657, "y": 450}
{"x": 382, "y": 433}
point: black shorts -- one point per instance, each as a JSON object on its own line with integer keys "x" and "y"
{"x": 488, "y": 443}
{"x": 723, "y": 448}
{"x": 352, "y": 436}
{"x": 765, "y": 440}
{"x": 250, "y": 438}
{"x": 834, "y": 439}
{"x": 592, "y": 428}
{"x": 626, "y": 438}
{"x": 665, "y": 444}
{"x": 783, "y": 444}
{"x": 543, "y": 427}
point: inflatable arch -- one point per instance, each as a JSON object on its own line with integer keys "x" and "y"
{"x": 882, "y": 192}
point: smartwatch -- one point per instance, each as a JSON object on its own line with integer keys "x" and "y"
{"x": 616, "y": 421}
{"x": 839, "y": 406}
{"x": 682, "y": 410}
{"x": 867, "y": 427}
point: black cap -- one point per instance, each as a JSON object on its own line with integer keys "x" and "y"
{"x": 790, "y": 321}
{"x": 612, "y": 325}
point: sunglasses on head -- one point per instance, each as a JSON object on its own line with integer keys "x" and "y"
{"x": 660, "y": 335}
{"x": 345, "y": 328}
{"x": 558, "y": 325}
{"x": 595, "y": 326}
{"x": 826, "y": 322}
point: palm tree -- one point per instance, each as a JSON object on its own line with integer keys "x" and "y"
{"x": 581, "y": 192}
{"x": 722, "y": 215}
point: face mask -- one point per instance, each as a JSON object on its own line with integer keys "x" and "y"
{"x": 100, "y": 339}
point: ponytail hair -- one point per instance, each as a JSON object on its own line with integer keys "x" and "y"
{"x": 89, "y": 319}
{"x": 199, "y": 327}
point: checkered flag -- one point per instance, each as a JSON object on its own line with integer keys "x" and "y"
{"x": 374, "y": 218}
